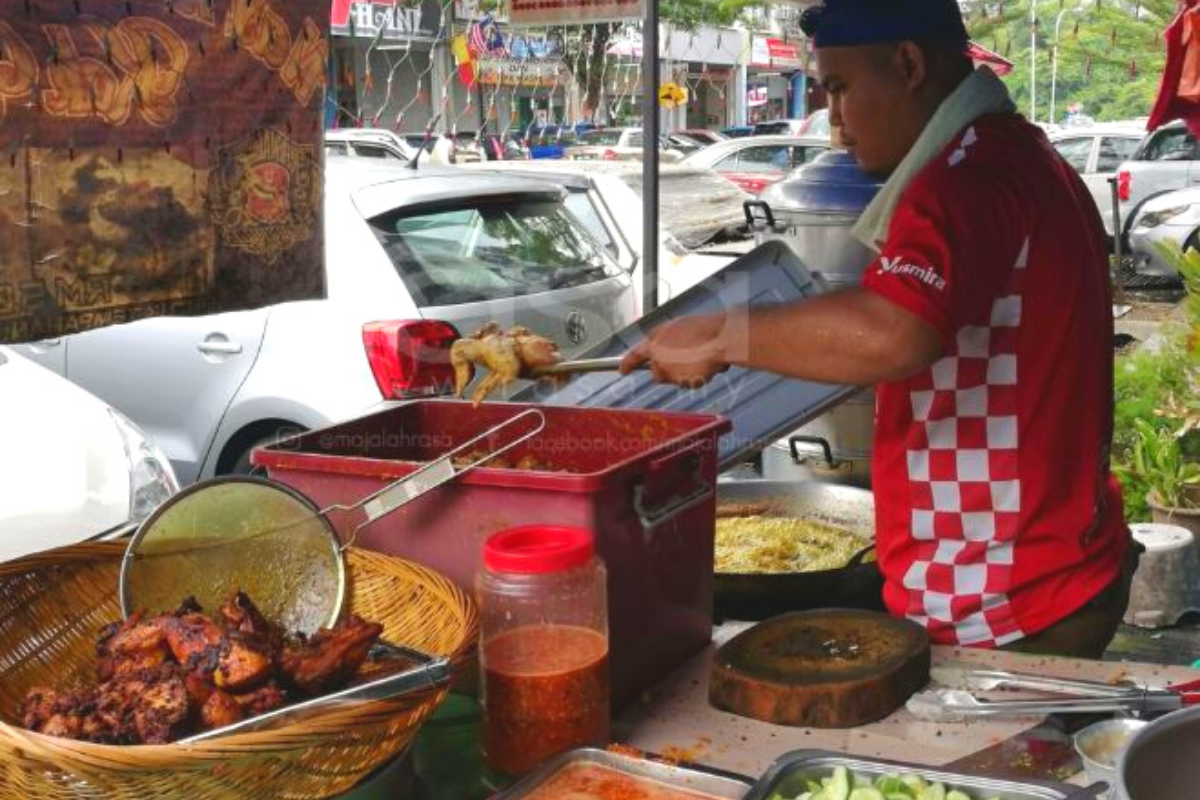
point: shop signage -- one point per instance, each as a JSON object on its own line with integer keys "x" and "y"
{"x": 473, "y": 10}
{"x": 574, "y": 12}
{"x": 775, "y": 53}
{"x": 192, "y": 187}
{"x": 391, "y": 20}
{"x": 531, "y": 74}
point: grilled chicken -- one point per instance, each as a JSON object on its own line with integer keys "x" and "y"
{"x": 507, "y": 357}
{"x": 330, "y": 656}
{"x": 161, "y": 678}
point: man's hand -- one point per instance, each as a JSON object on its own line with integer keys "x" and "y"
{"x": 687, "y": 352}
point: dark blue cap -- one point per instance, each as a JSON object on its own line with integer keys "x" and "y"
{"x": 850, "y": 23}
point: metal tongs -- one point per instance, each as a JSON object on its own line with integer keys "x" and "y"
{"x": 958, "y": 701}
{"x": 580, "y": 367}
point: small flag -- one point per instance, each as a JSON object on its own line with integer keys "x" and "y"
{"x": 462, "y": 59}
{"x": 484, "y": 37}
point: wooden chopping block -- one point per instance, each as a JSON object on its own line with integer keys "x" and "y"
{"x": 829, "y": 668}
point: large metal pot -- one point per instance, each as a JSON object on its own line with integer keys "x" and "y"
{"x": 1163, "y": 760}
{"x": 813, "y": 210}
{"x": 857, "y": 585}
{"x": 833, "y": 448}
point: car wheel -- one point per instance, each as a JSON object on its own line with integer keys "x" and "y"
{"x": 242, "y": 465}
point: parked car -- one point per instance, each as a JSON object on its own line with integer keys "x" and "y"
{"x": 413, "y": 258}
{"x": 378, "y": 143}
{"x": 685, "y": 144}
{"x": 779, "y": 127}
{"x": 617, "y": 144}
{"x": 465, "y": 148}
{"x": 549, "y": 141}
{"x": 754, "y": 163}
{"x": 72, "y": 468}
{"x": 703, "y": 136}
{"x": 817, "y": 125}
{"x": 1096, "y": 153}
{"x": 699, "y": 208}
{"x": 1170, "y": 223}
{"x": 1166, "y": 160}
{"x": 737, "y": 131}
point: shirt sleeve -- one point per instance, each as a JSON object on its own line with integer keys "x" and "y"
{"x": 945, "y": 260}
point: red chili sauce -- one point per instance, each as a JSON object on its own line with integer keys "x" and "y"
{"x": 545, "y": 691}
{"x": 594, "y": 782}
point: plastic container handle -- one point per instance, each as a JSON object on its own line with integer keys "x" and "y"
{"x": 689, "y": 459}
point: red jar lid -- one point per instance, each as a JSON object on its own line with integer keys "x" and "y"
{"x": 538, "y": 549}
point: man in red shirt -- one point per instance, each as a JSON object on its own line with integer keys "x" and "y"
{"x": 985, "y": 323}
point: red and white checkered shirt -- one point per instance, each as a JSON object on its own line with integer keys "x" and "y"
{"x": 996, "y": 512}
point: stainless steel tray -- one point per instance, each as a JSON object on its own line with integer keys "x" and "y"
{"x": 791, "y": 770}
{"x": 686, "y": 777}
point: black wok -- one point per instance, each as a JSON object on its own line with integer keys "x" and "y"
{"x": 759, "y": 596}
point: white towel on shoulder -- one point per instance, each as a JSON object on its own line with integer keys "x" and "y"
{"x": 979, "y": 95}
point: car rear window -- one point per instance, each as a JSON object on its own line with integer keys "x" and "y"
{"x": 489, "y": 249}
{"x": 601, "y": 138}
{"x": 1114, "y": 151}
{"x": 771, "y": 128}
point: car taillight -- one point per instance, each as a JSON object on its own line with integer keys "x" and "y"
{"x": 1124, "y": 185}
{"x": 410, "y": 357}
{"x": 609, "y": 155}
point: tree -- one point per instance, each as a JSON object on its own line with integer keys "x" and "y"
{"x": 1111, "y": 53}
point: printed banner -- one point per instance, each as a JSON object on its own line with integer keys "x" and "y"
{"x": 158, "y": 159}
{"x": 573, "y": 12}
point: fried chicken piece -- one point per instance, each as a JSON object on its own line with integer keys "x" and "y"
{"x": 244, "y": 663}
{"x": 329, "y": 657}
{"x": 240, "y": 614}
{"x": 161, "y": 710}
{"x": 507, "y": 357}
{"x": 130, "y": 646}
{"x": 190, "y": 636}
{"x": 265, "y": 698}
{"x": 53, "y": 713}
{"x": 219, "y": 710}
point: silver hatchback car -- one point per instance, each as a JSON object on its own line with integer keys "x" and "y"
{"x": 414, "y": 257}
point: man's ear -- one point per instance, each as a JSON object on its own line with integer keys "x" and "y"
{"x": 911, "y": 64}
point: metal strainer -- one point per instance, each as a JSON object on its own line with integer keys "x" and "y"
{"x": 268, "y": 540}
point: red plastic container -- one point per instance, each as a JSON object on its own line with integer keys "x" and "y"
{"x": 644, "y": 482}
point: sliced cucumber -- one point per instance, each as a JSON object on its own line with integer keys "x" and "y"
{"x": 838, "y": 787}
{"x": 867, "y": 793}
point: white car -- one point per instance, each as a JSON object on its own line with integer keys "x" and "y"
{"x": 1165, "y": 225}
{"x": 71, "y": 467}
{"x": 414, "y": 258}
{"x": 376, "y": 143}
{"x": 1096, "y": 152}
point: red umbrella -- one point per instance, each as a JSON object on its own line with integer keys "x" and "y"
{"x": 1179, "y": 93}
{"x": 981, "y": 55}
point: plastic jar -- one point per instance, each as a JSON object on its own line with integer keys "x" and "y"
{"x": 544, "y": 646}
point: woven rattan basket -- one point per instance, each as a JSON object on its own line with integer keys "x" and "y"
{"x": 53, "y": 604}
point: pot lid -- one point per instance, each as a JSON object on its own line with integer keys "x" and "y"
{"x": 832, "y": 183}
{"x": 761, "y": 406}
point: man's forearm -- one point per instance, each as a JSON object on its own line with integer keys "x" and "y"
{"x": 848, "y": 337}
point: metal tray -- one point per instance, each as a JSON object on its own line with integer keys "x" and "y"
{"x": 685, "y": 777}
{"x": 761, "y": 406}
{"x": 789, "y": 772}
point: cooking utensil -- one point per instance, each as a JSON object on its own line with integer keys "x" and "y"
{"x": 706, "y": 781}
{"x": 426, "y": 672}
{"x": 789, "y": 775}
{"x": 756, "y": 596}
{"x": 581, "y": 366}
{"x": 1101, "y": 744}
{"x": 953, "y": 704}
{"x": 268, "y": 540}
{"x": 1160, "y": 763}
{"x": 984, "y": 680}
